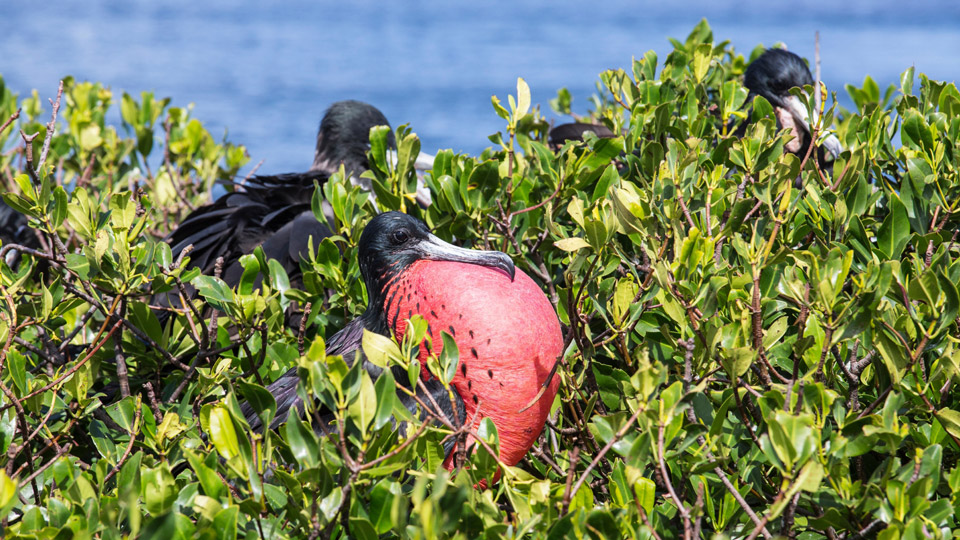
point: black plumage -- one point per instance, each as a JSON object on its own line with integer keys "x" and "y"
{"x": 388, "y": 246}
{"x": 772, "y": 75}
{"x": 15, "y": 229}
{"x": 574, "y": 132}
{"x": 274, "y": 212}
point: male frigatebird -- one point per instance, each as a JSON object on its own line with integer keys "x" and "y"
{"x": 506, "y": 330}
{"x": 274, "y": 211}
{"x": 772, "y": 75}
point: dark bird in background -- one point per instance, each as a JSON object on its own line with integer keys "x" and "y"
{"x": 506, "y": 330}
{"x": 574, "y": 132}
{"x": 772, "y": 75}
{"x": 274, "y": 211}
{"x": 15, "y": 229}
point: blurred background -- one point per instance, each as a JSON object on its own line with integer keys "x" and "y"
{"x": 266, "y": 71}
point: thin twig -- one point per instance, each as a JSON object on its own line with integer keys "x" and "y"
{"x": 138, "y": 413}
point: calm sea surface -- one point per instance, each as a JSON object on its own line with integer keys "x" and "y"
{"x": 266, "y": 71}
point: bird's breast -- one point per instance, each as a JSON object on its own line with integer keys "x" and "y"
{"x": 508, "y": 336}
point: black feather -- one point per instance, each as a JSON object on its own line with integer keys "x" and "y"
{"x": 574, "y": 132}
{"x": 275, "y": 211}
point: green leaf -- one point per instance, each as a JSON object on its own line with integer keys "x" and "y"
{"x": 59, "y": 206}
{"x": 702, "y": 57}
{"x": 225, "y": 523}
{"x": 645, "y": 490}
{"x": 950, "y": 420}
{"x": 303, "y": 443}
{"x": 215, "y": 291}
{"x": 736, "y": 361}
{"x": 211, "y": 483}
{"x": 523, "y": 97}
{"x": 379, "y": 349}
{"x": 894, "y": 233}
{"x": 449, "y": 358}
{"x": 792, "y": 438}
{"x": 159, "y": 489}
{"x": 892, "y": 354}
{"x": 501, "y": 111}
{"x": 608, "y": 181}
{"x": 596, "y": 233}
{"x": 222, "y": 433}
{"x": 623, "y": 296}
{"x": 571, "y": 244}
{"x": 123, "y": 412}
{"x": 261, "y": 400}
{"x": 8, "y": 492}
{"x": 386, "y": 399}
{"x": 365, "y": 407}
{"x": 384, "y": 504}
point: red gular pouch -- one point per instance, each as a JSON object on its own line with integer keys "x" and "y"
{"x": 509, "y": 339}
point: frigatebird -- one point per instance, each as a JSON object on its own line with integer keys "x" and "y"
{"x": 15, "y": 229}
{"x": 574, "y": 131}
{"x": 772, "y": 75}
{"x": 506, "y": 330}
{"x": 274, "y": 212}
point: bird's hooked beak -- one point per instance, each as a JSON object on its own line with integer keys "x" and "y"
{"x": 799, "y": 113}
{"x": 435, "y": 249}
{"x": 423, "y": 163}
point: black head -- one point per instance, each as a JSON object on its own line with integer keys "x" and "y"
{"x": 344, "y": 136}
{"x": 392, "y": 241}
{"x": 774, "y": 73}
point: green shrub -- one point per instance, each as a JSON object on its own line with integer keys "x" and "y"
{"x": 745, "y": 356}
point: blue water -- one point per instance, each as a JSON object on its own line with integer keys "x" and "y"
{"x": 267, "y": 70}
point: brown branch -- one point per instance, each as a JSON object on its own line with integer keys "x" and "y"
{"x": 827, "y": 338}
{"x": 45, "y": 466}
{"x": 681, "y": 508}
{"x": 121, "y": 362}
{"x": 73, "y": 368}
{"x": 9, "y": 121}
{"x": 683, "y": 208}
{"x": 303, "y": 327}
{"x": 617, "y": 436}
{"x": 569, "y": 490}
{"x": 397, "y": 450}
{"x": 757, "y": 322}
{"x": 28, "y": 154}
{"x": 51, "y": 127}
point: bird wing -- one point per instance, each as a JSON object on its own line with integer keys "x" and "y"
{"x": 347, "y": 343}
{"x": 15, "y": 229}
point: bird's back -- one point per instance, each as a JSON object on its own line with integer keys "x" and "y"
{"x": 270, "y": 211}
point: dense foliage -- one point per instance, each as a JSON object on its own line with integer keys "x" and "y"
{"x": 745, "y": 354}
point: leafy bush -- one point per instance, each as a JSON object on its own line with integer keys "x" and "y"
{"x": 744, "y": 356}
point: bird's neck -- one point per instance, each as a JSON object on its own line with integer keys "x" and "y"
{"x": 382, "y": 291}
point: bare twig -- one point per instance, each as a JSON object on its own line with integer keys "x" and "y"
{"x": 51, "y": 127}
{"x": 9, "y": 121}
{"x": 569, "y": 491}
{"x": 681, "y": 508}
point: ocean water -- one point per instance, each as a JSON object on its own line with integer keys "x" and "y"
{"x": 264, "y": 72}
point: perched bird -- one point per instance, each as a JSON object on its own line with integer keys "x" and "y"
{"x": 574, "y": 132}
{"x": 15, "y": 229}
{"x": 274, "y": 211}
{"x": 506, "y": 330}
{"x": 772, "y": 75}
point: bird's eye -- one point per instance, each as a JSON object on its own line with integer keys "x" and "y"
{"x": 400, "y": 236}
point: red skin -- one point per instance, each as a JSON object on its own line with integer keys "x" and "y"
{"x": 508, "y": 335}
